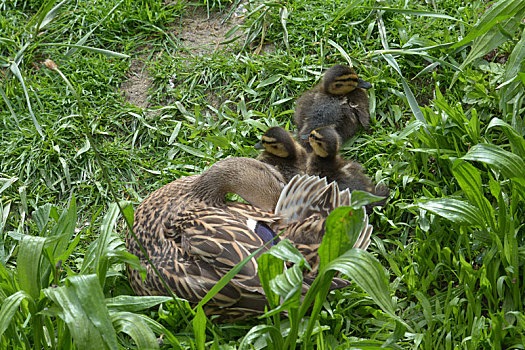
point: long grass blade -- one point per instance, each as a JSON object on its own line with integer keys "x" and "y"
{"x": 410, "y": 12}
{"x": 8, "y": 183}
{"x": 49, "y": 14}
{"x": 412, "y": 102}
{"x": 106, "y": 231}
{"x": 83, "y": 40}
{"x": 134, "y": 303}
{"x": 18, "y": 74}
{"x": 8, "y": 104}
{"x": 104, "y": 52}
{"x": 366, "y": 271}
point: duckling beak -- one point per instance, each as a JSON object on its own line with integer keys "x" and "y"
{"x": 363, "y": 84}
{"x": 258, "y": 145}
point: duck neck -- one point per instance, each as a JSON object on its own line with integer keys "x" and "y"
{"x": 252, "y": 180}
{"x": 212, "y": 188}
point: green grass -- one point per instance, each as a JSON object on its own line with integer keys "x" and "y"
{"x": 450, "y": 239}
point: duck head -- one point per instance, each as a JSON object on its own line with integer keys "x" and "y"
{"x": 341, "y": 80}
{"x": 325, "y": 142}
{"x": 278, "y": 142}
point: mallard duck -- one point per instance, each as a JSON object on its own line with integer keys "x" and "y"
{"x": 194, "y": 236}
{"x": 325, "y": 161}
{"x": 281, "y": 151}
{"x": 339, "y": 100}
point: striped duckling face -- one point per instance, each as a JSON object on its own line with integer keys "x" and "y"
{"x": 341, "y": 80}
{"x": 278, "y": 142}
{"x": 324, "y": 142}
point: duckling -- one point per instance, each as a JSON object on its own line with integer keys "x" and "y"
{"x": 281, "y": 151}
{"x": 194, "y": 236}
{"x": 339, "y": 100}
{"x": 325, "y": 161}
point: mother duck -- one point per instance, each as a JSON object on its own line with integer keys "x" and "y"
{"x": 194, "y": 236}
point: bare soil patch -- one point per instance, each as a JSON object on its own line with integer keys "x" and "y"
{"x": 136, "y": 88}
{"x": 199, "y": 35}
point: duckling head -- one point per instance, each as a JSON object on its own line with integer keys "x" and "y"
{"x": 325, "y": 142}
{"x": 278, "y": 142}
{"x": 341, "y": 80}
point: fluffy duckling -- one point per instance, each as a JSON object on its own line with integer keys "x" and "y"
{"x": 339, "y": 100}
{"x": 325, "y": 161}
{"x": 281, "y": 151}
{"x": 194, "y": 236}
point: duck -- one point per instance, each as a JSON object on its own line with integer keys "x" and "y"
{"x": 339, "y": 100}
{"x": 282, "y": 152}
{"x": 325, "y": 161}
{"x": 194, "y": 236}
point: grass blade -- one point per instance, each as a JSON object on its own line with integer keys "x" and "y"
{"x": 509, "y": 164}
{"x": 16, "y": 71}
{"x": 106, "y": 231}
{"x": 10, "y": 307}
{"x": 500, "y": 12}
{"x": 517, "y": 142}
{"x": 455, "y": 210}
{"x": 134, "y": 303}
{"x": 29, "y": 263}
{"x": 48, "y": 15}
{"x": 343, "y": 227}
{"x": 366, "y": 271}
{"x": 261, "y": 331}
{"x": 133, "y": 325}
{"x": 199, "y": 328}
{"x": 342, "y": 51}
{"x": 410, "y": 12}
{"x": 412, "y": 102}
{"x": 72, "y": 311}
{"x": 104, "y": 52}
{"x": 469, "y": 179}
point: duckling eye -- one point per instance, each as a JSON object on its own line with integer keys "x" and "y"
{"x": 338, "y": 85}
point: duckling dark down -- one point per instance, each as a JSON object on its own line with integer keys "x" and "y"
{"x": 339, "y": 100}
{"x": 325, "y": 161}
{"x": 281, "y": 151}
{"x": 194, "y": 236}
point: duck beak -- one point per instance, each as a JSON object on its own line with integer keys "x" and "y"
{"x": 363, "y": 84}
{"x": 258, "y": 145}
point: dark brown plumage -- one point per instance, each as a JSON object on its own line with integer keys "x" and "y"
{"x": 325, "y": 161}
{"x": 339, "y": 100}
{"x": 282, "y": 152}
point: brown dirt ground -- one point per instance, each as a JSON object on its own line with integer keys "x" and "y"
{"x": 198, "y": 34}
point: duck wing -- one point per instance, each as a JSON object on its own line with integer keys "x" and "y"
{"x": 358, "y": 101}
{"x": 223, "y": 240}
